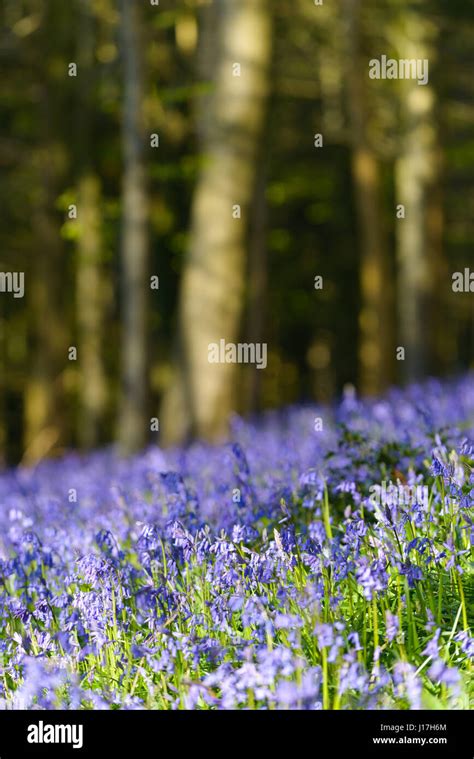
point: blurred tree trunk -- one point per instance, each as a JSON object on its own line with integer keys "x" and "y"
{"x": 44, "y": 417}
{"x": 90, "y": 291}
{"x": 442, "y": 343}
{"x": 132, "y": 429}
{"x": 45, "y": 420}
{"x": 375, "y": 341}
{"x": 90, "y": 316}
{"x": 416, "y": 174}
{"x": 257, "y": 287}
{"x": 212, "y": 288}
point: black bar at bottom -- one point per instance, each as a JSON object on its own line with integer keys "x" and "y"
{"x": 383, "y": 733}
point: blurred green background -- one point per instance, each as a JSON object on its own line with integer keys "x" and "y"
{"x": 130, "y": 166}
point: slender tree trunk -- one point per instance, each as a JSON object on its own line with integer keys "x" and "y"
{"x": 45, "y": 421}
{"x": 416, "y": 174}
{"x": 90, "y": 291}
{"x": 441, "y": 344}
{"x": 90, "y": 316}
{"x": 212, "y": 288}
{"x": 257, "y": 287}
{"x": 44, "y": 417}
{"x": 375, "y": 343}
{"x": 132, "y": 432}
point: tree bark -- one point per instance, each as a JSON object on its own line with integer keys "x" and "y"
{"x": 257, "y": 289}
{"x": 90, "y": 313}
{"x": 132, "y": 432}
{"x": 212, "y": 287}
{"x": 416, "y": 174}
{"x": 89, "y": 284}
{"x": 375, "y": 339}
{"x": 45, "y": 420}
{"x": 44, "y": 409}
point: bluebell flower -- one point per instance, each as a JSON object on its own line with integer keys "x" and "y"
{"x": 441, "y": 673}
{"x": 392, "y": 626}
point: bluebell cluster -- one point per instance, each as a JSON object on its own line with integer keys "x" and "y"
{"x": 255, "y": 574}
